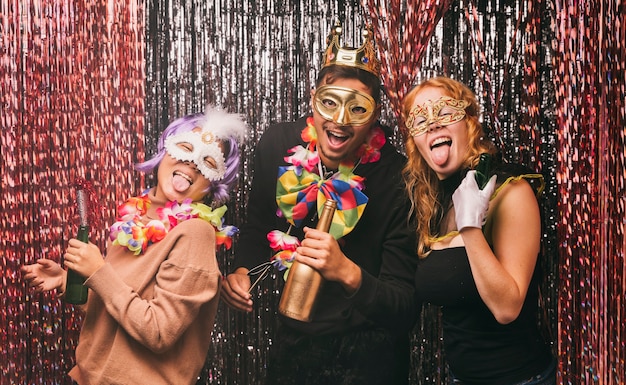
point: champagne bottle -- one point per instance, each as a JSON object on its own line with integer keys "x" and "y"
{"x": 75, "y": 290}
{"x": 483, "y": 169}
{"x": 304, "y": 282}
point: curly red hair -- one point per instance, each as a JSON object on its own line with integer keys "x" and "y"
{"x": 421, "y": 181}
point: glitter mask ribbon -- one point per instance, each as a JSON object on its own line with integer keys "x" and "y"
{"x": 443, "y": 112}
{"x": 297, "y": 193}
{"x": 200, "y": 147}
{"x": 344, "y": 106}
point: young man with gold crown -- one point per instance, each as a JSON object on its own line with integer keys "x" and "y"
{"x": 358, "y": 332}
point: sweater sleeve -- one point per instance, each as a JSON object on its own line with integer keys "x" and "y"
{"x": 389, "y": 297}
{"x": 186, "y": 280}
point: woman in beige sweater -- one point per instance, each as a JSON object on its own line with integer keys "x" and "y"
{"x": 152, "y": 300}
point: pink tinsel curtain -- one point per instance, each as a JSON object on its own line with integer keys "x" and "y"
{"x": 71, "y": 94}
{"x": 591, "y": 115}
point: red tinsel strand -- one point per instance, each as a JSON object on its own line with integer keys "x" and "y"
{"x": 531, "y": 99}
{"x": 592, "y": 148}
{"x": 59, "y": 72}
{"x": 402, "y": 36}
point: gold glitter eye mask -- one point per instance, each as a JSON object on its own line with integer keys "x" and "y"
{"x": 443, "y": 111}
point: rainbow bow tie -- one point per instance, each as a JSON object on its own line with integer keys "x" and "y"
{"x": 297, "y": 190}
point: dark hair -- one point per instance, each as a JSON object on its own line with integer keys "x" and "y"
{"x": 333, "y": 72}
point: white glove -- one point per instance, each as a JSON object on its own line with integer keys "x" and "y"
{"x": 471, "y": 203}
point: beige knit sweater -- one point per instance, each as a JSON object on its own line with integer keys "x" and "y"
{"x": 149, "y": 318}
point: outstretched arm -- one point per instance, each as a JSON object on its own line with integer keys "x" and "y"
{"x": 45, "y": 275}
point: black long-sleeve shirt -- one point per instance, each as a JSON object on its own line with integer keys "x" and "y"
{"x": 382, "y": 243}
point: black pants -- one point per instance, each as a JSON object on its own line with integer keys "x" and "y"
{"x": 547, "y": 377}
{"x": 366, "y": 357}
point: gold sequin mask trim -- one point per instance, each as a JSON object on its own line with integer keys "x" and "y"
{"x": 443, "y": 111}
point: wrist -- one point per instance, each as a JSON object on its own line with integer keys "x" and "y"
{"x": 470, "y": 231}
{"x": 352, "y": 279}
{"x": 61, "y": 285}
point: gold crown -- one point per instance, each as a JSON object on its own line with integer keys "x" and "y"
{"x": 363, "y": 57}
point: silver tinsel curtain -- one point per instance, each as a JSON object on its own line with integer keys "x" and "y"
{"x": 87, "y": 87}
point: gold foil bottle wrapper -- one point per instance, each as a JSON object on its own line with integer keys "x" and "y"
{"x": 304, "y": 282}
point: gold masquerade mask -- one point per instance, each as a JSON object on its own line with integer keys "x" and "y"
{"x": 443, "y": 111}
{"x": 344, "y": 106}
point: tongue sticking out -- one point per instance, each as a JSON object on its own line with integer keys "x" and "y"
{"x": 440, "y": 154}
{"x": 180, "y": 183}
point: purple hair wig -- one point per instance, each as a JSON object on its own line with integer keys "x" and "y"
{"x": 231, "y": 129}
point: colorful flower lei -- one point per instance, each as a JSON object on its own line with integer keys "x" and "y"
{"x": 307, "y": 159}
{"x": 130, "y": 231}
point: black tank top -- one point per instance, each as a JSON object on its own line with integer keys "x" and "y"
{"x": 479, "y": 350}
